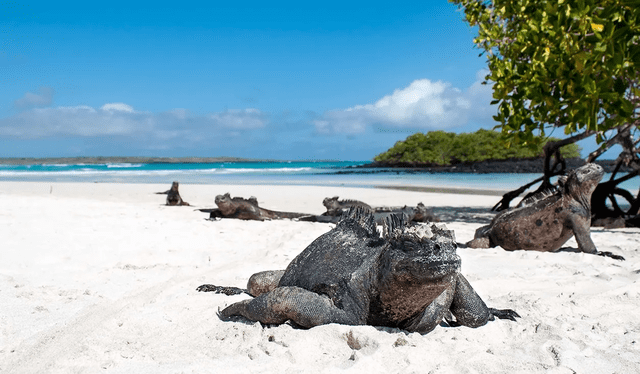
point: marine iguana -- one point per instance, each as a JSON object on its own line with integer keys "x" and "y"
{"x": 545, "y": 221}
{"x": 408, "y": 277}
{"x": 335, "y": 206}
{"x": 419, "y": 213}
{"x": 246, "y": 209}
{"x": 173, "y": 196}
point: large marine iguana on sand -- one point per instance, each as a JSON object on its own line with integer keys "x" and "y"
{"x": 544, "y": 222}
{"x": 246, "y": 209}
{"x": 407, "y": 278}
{"x": 173, "y": 196}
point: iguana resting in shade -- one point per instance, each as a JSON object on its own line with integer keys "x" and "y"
{"x": 407, "y": 278}
{"x": 173, "y": 196}
{"x": 246, "y": 209}
{"x": 544, "y": 222}
{"x": 335, "y": 206}
{"x": 419, "y": 213}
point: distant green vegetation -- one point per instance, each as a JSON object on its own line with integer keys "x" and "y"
{"x": 446, "y": 148}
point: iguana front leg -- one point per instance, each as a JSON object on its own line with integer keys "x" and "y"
{"x": 582, "y": 232}
{"x": 306, "y": 308}
{"x": 470, "y": 310}
{"x": 481, "y": 238}
{"x": 264, "y": 282}
{"x": 433, "y": 314}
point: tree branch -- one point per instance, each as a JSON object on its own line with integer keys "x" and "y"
{"x": 622, "y": 132}
{"x": 575, "y": 138}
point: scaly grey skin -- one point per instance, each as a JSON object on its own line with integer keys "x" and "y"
{"x": 173, "y": 196}
{"x": 546, "y": 221}
{"x": 246, "y": 209}
{"x": 335, "y": 207}
{"x": 419, "y": 213}
{"x": 407, "y": 278}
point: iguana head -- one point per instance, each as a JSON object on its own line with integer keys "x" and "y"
{"x": 582, "y": 181}
{"x": 331, "y": 202}
{"x": 225, "y": 204}
{"x": 422, "y": 213}
{"x": 421, "y": 253}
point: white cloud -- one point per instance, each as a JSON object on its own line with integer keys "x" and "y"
{"x": 119, "y": 107}
{"x": 249, "y": 118}
{"x": 179, "y": 113}
{"x": 78, "y": 120}
{"x": 113, "y": 119}
{"x": 43, "y": 98}
{"x": 423, "y": 105}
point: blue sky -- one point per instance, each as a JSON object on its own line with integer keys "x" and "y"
{"x": 280, "y": 80}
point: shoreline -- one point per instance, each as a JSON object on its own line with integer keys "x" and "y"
{"x": 511, "y": 166}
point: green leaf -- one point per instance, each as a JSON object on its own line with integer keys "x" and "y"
{"x": 567, "y": 62}
{"x": 600, "y": 47}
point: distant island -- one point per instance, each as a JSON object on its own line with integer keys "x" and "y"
{"x": 440, "y": 148}
{"x": 482, "y": 151}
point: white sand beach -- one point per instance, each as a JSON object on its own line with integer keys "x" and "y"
{"x": 101, "y": 278}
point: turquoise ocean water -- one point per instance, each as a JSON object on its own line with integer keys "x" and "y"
{"x": 338, "y": 173}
